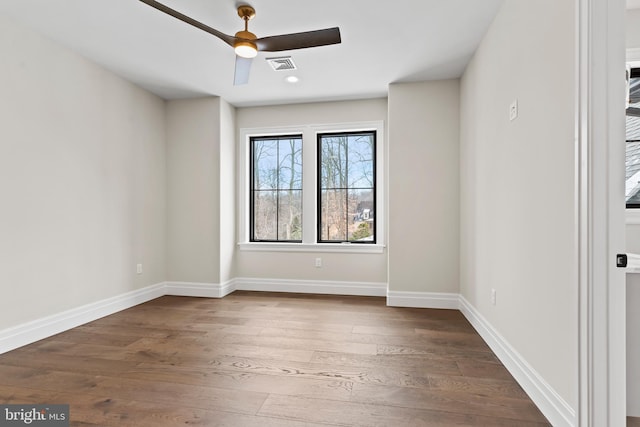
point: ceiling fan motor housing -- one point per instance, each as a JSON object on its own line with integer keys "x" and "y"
{"x": 245, "y": 46}
{"x": 246, "y": 35}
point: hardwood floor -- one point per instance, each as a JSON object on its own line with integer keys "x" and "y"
{"x": 267, "y": 359}
{"x": 633, "y": 422}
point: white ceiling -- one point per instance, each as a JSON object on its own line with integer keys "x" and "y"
{"x": 633, "y": 4}
{"x": 382, "y": 42}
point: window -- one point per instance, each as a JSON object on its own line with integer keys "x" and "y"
{"x": 276, "y": 189}
{"x": 346, "y": 193}
{"x": 297, "y": 182}
{"x": 632, "y": 186}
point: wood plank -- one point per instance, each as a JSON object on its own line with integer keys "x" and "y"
{"x": 137, "y": 331}
{"x": 63, "y": 362}
{"x": 424, "y": 363}
{"x": 302, "y": 325}
{"x": 484, "y": 387}
{"x": 483, "y": 369}
{"x": 413, "y": 349}
{"x": 14, "y": 394}
{"x": 408, "y": 326}
{"x": 208, "y": 349}
{"x": 181, "y": 395}
{"x": 44, "y": 379}
{"x": 292, "y": 343}
{"x": 80, "y": 336}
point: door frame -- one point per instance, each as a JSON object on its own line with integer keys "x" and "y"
{"x": 600, "y": 212}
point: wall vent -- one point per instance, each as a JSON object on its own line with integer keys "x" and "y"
{"x": 281, "y": 63}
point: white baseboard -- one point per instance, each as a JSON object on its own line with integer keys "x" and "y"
{"x": 557, "y": 411}
{"x": 373, "y": 289}
{"x": 36, "y": 330}
{"x": 422, "y": 299}
{"x": 195, "y": 289}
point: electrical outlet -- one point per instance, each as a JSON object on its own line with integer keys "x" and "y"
{"x": 318, "y": 262}
{"x": 513, "y": 110}
{"x": 493, "y": 296}
{"x": 138, "y": 268}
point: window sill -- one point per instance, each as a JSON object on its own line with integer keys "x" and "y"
{"x": 351, "y": 248}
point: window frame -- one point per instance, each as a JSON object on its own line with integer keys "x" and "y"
{"x": 252, "y": 190}
{"x": 632, "y": 216}
{"x": 319, "y": 188}
{"x": 633, "y": 207}
{"x": 309, "y": 227}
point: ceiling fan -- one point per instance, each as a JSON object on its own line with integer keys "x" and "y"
{"x": 247, "y": 45}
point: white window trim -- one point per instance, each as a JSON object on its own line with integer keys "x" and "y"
{"x": 632, "y": 216}
{"x": 309, "y": 189}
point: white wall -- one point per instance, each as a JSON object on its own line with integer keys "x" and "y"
{"x": 228, "y": 213}
{"x": 300, "y": 266}
{"x": 200, "y": 190}
{"x": 82, "y": 180}
{"x": 633, "y": 327}
{"x": 424, "y": 190}
{"x": 633, "y": 280}
{"x": 517, "y": 187}
{"x": 633, "y": 28}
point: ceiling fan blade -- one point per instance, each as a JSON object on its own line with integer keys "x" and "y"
{"x": 243, "y": 67}
{"x": 299, "y": 40}
{"x": 230, "y": 40}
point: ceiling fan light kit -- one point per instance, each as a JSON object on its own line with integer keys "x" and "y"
{"x": 246, "y": 45}
{"x": 245, "y": 48}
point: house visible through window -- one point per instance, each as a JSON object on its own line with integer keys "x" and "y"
{"x": 632, "y": 186}
{"x": 276, "y": 189}
{"x": 347, "y": 190}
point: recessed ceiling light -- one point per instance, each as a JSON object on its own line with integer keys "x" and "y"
{"x": 292, "y": 79}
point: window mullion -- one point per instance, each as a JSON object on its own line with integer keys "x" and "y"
{"x": 309, "y": 187}
{"x": 278, "y": 191}
{"x": 346, "y": 189}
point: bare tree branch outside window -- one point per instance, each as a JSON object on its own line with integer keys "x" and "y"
{"x": 276, "y": 188}
{"x": 346, "y": 175}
